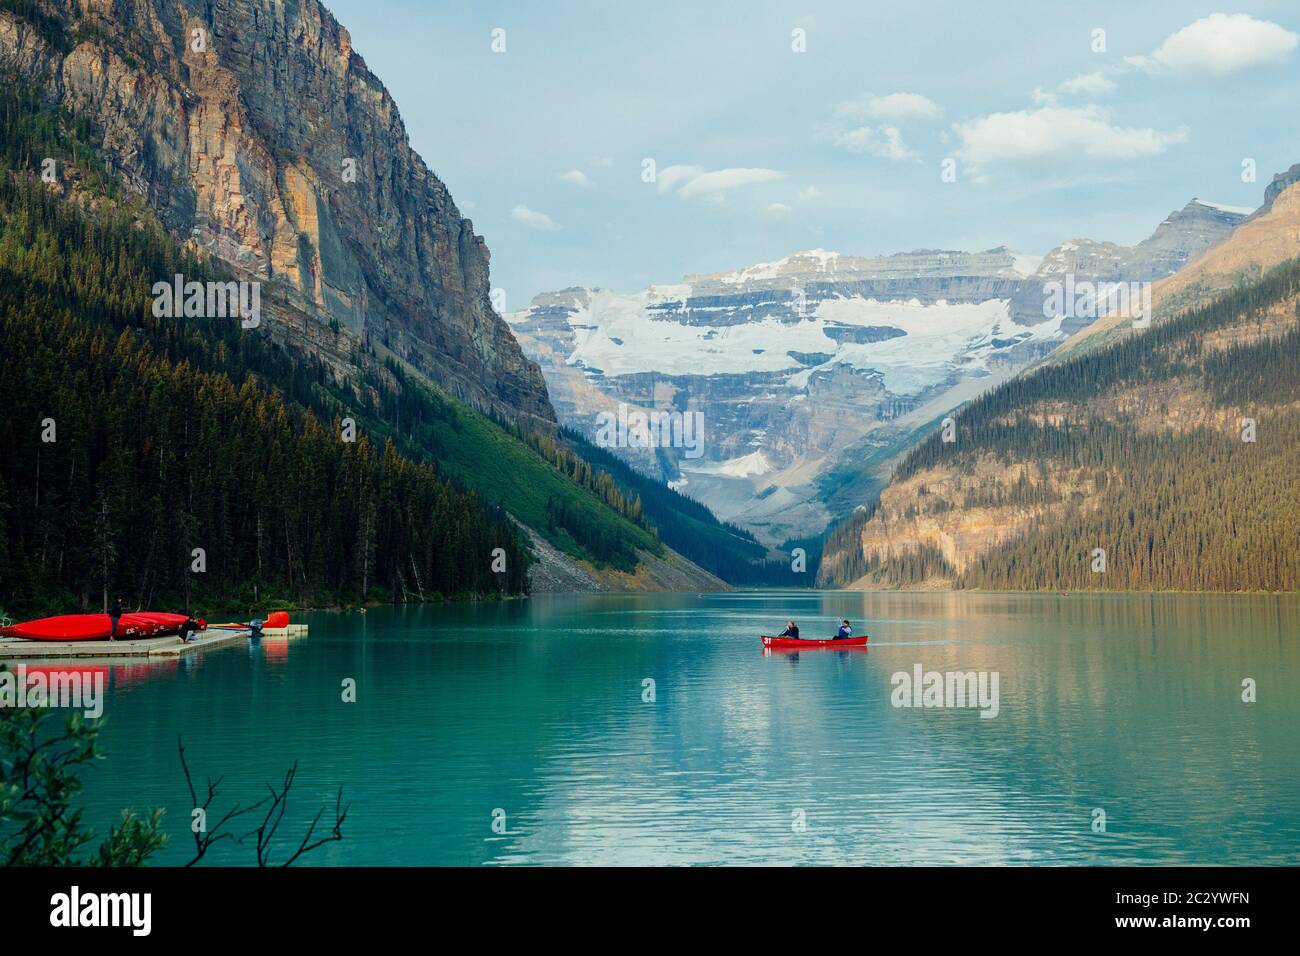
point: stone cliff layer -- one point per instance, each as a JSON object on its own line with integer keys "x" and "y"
{"x": 260, "y": 136}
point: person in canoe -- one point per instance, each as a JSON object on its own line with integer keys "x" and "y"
{"x": 114, "y": 613}
{"x": 791, "y": 630}
{"x": 846, "y": 630}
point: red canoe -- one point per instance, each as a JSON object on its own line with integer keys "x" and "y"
{"x": 96, "y": 627}
{"x": 799, "y": 642}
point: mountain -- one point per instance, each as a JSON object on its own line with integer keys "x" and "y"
{"x": 722, "y": 549}
{"x": 1263, "y": 240}
{"x": 1170, "y": 451}
{"x": 165, "y": 161}
{"x": 814, "y": 372}
{"x": 260, "y": 136}
{"x": 1269, "y": 236}
{"x": 182, "y": 463}
{"x": 789, "y": 362}
{"x": 1182, "y": 235}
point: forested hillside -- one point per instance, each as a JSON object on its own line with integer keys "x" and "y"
{"x": 130, "y": 441}
{"x": 1174, "y": 455}
{"x": 693, "y": 531}
{"x": 171, "y": 434}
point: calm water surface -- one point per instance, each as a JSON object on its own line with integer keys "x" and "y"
{"x": 1128, "y": 704}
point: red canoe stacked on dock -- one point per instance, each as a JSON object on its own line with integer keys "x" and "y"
{"x": 96, "y": 627}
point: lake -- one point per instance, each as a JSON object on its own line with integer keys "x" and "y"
{"x": 526, "y": 732}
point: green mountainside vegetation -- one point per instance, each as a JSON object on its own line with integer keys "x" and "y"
{"x": 180, "y": 433}
{"x": 173, "y": 434}
{"x": 692, "y": 530}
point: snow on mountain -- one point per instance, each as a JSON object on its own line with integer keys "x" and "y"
{"x": 745, "y": 466}
{"x": 937, "y": 343}
{"x": 1026, "y": 265}
{"x": 812, "y": 262}
{"x": 621, "y": 335}
{"x": 615, "y": 334}
{"x": 1235, "y": 210}
{"x": 806, "y": 365}
{"x": 791, "y": 362}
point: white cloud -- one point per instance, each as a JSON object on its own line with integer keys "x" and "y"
{"x": 892, "y": 106}
{"x": 1085, "y": 84}
{"x": 778, "y": 211}
{"x": 1089, "y": 84}
{"x": 711, "y": 184}
{"x": 886, "y": 141}
{"x": 533, "y": 219}
{"x": 577, "y": 177}
{"x": 1220, "y": 44}
{"x": 670, "y": 177}
{"x": 1058, "y": 133}
{"x": 812, "y": 192}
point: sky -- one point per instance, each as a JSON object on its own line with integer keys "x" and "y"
{"x": 866, "y": 128}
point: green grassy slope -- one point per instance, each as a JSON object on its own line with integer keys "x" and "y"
{"x": 692, "y": 530}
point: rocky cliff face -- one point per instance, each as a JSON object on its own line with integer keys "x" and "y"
{"x": 1280, "y": 184}
{"x": 259, "y": 135}
{"x": 1180, "y": 237}
{"x": 1268, "y": 236}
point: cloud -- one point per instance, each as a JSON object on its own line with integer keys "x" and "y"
{"x": 698, "y": 183}
{"x": 533, "y": 219}
{"x": 812, "y": 192}
{"x": 1089, "y": 84}
{"x": 778, "y": 211}
{"x": 1085, "y": 84}
{"x": 577, "y": 177}
{"x": 892, "y": 106}
{"x": 886, "y": 141}
{"x": 1058, "y": 133}
{"x": 1220, "y": 44}
{"x": 670, "y": 177}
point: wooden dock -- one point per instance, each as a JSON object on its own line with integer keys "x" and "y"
{"x": 18, "y": 649}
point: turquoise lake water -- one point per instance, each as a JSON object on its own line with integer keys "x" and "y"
{"x": 1127, "y": 704}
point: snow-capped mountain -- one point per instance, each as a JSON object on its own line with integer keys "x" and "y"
{"x": 804, "y": 366}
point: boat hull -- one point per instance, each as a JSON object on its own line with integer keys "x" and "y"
{"x": 793, "y": 643}
{"x": 96, "y": 627}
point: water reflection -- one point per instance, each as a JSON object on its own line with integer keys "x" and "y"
{"x": 1129, "y": 703}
